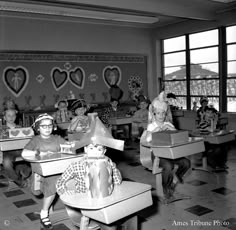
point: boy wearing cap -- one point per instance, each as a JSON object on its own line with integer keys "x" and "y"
{"x": 160, "y": 120}
{"x": 94, "y": 173}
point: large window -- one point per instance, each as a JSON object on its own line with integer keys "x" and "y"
{"x": 231, "y": 68}
{"x": 191, "y": 67}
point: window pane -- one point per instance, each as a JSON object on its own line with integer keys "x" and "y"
{"x": 231, "y": 90}
{"x": 182, "y": 102}
{"x": 176, "y": 87}
{"x": 204, "y": 55}
{"x": 174, "y": 73}
{"x": 203, "y": 39}
{"x": 204, "y": 87}
{"x": 174, "y": 44}
{"x": 174, "y": 59}
{"x": 231, "y": 34}
{"x": 213, "y": 101}
{"x": 231, "y": 69}
{"x": 204, "y": 71}
{"x": 231, "y": 104}
{"x": 231, "y": 52}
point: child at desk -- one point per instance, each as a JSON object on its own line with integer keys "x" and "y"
{"x": 44, "y": 143}
{"x": 89, "y": 173}
{"x": 159, "y": 120}
{"x": 140, "y": 118}
{"x": 216, "y": 153}
{"x": 9, "y": 157}
{"x": 62, "y": 114}
{"x": 80, "y": 122}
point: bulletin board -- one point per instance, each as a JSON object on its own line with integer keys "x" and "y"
{"x": 35, "y": 79}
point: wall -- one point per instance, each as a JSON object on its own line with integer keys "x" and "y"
{"x": 37, "y": 34}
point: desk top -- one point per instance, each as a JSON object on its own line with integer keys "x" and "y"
{"x": 121, "y": 192}
{"x": 5, "y": 139}
{"x": 49, "y": 157}
{"x": 190, "y": 140}
{"x": 199, "y": 133}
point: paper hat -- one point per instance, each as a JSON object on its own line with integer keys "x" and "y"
{"x": 99, "y": 134}
{"x": 61, "y": 100}
{"x": 78, "y": 104}
{"x": 160, "y": 101}
{"x": 203, "y": 98}
{"x": 42, "y": 117}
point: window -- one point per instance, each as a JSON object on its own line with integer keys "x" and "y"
{"x": 191, "y": 67}
{"x": 231, "y": 68}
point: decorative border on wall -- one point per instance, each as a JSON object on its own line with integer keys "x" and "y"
{"x": 78, "y": 57}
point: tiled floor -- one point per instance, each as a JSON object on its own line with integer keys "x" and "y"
{"x": 212, "y": 204}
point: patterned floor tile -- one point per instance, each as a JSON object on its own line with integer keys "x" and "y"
{"x": 33, "y": 216}
{"x": 198, "y": 210}
{"x": 222, "y": 190}
{"x": 24, "y": 203}
{"x": 196, "y": 182}
{"x": 12, "y": 193}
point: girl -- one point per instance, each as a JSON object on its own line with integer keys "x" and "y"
{"x": 44, "y": 143}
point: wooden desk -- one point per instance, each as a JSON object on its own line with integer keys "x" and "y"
{"x": 126, "y": 199}
{"x": 119, "y": 121}
{"x": 193, "y": 146}
{"x": 7, "y": 144}
{"x": 51, "y": 164}
{"x": 216, "y": 138}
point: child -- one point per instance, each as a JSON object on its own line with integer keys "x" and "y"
{"x": 80, "y": 123}
{"x": 140, "y": 118}
{"x": 9, "y": 157}
{"x": 94, "y": 173}
{"x": 44, "y": 143}
{"x": 62, "y": 114}
{"x": 159, "y": 120}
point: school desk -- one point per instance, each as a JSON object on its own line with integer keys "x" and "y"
{"x": 125, "y": 201}
{"x": 7, "y": 144}
{"x": 120, "y": 121}
{"x": 193, "y": 146}
{"x": 216, "y": 138}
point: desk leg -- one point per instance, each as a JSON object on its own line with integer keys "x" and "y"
{"x": 146, "y": 157}
{"x": 204, "y": 165}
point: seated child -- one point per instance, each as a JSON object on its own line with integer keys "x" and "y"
{"x": 140, "y": 118}
{"x": 62, "y": 114}
{"x": 94, "y": 173}
{"x": 159, "y": 120}
{"x": 216, "y": 153}
{"x": 111, "y": 112}
{"x": 80, "y": 122}
{"x": 9, "y": 157}
{"x": 44, "y": 143}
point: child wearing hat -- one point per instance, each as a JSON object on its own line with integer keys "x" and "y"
{"x": 43, "y": 144}
{"x": 95, "y": 173}
{"x": 140, "y": 118}
{"x": 80, "y": 122}
{"x": 160, "y": 120}
{"x": 62, "y": 114}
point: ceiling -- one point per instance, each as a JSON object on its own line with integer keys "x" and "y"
{"x": 145, "y": 13}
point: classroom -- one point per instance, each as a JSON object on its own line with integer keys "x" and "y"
{"x": 117, "y": 114}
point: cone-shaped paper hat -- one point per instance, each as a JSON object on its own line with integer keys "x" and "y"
{"x": 99, "y": 134}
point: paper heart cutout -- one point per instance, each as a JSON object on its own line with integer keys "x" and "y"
{"x": 16, "y": 79}
{"x": 15, "y": 132}
{"x": 77, "y": 77}
{"x": 112, "y": 75}
{"x": 59, "y": 78}
{"x": 26, "y": 132}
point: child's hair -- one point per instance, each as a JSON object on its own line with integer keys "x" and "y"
{"x": 61, "y": 101}
{"x": 38, "y": 120}
{"x": 9, "y": 105}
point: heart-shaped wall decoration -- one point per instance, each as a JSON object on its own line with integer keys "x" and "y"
{"x": 111, "y": 75}
{"x": 16, "y": 79}
{"x": 59, "y": 78}
{"x": 77, "y": 77}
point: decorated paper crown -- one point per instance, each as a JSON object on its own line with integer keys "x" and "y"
{"x": 42, "y": 117}
{"x": 78, "y": 104}
{"x": 160, "y": 101}
{"x": 99, "y": 134}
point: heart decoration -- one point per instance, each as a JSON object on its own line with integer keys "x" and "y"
{"x": 59, "y": 78}
{"x": 16, "y": 79}
{"x": 77, "y": 77}
{"x": 112, "y": 75}
{"x": 15, "y": 132}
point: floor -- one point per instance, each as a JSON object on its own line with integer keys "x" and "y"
{"x": 212, "y": 206}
